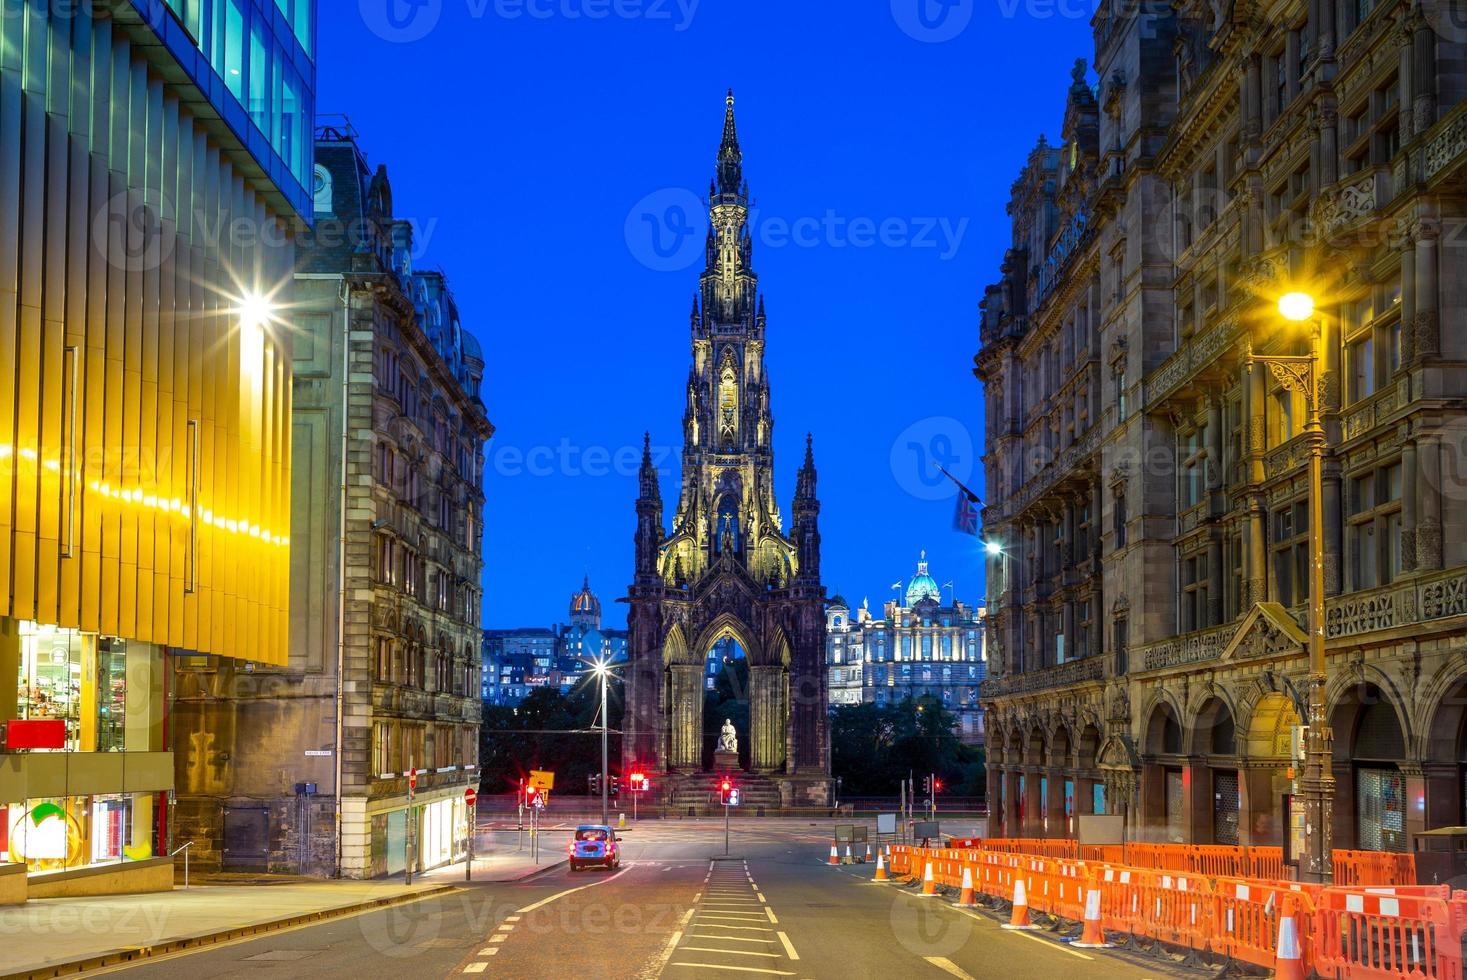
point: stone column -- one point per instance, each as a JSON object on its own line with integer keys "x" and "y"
{"x": 1429, "y": 505}
{"x": 1256, "y": 574}
{"x": 1253, "y": 99}
{"x": 1406, "y": 83}
{"x": 766, "y": 718}
{"x": 685, "y": 749}
{"x": 1424, "y": 76}
{"x": 1055, "y": 803}
{"x": 1409, "y": 505}
{"x": 1404, "y": 242}
{"x": 1426, "y": 232}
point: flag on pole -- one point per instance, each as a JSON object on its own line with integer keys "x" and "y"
{"x": 966, "y": 518}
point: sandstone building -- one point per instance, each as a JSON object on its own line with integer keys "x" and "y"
{"x": 1148, "y": 491}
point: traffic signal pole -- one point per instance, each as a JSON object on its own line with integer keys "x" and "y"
{"x": 605, "y": 736}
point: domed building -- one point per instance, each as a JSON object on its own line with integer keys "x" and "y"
{"x": 919, "y": 647}
{"x": 516, "y": 661}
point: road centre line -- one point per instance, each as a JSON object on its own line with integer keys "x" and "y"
{"x": 571, "y": 891}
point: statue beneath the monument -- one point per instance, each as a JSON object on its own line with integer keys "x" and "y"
{"x": 728, "y": 740}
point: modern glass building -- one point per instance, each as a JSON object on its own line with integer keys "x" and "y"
{"x": 151, "y": 162}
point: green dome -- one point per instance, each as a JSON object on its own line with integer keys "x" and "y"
{"x": 923, "y": 585}
{"x": 838, "y": 601}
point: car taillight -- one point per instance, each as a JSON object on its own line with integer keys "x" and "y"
{"x": 571, "y": 849}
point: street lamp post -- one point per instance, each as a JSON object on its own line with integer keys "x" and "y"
{"x": 1301, "y": 374}
{"x": 603, "y": 668}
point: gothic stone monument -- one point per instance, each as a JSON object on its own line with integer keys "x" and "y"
{"x": 728, "y": 567}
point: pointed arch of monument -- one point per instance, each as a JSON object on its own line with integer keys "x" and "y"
{"x": 675, "y": 646}
{"x": 727, "y": 625}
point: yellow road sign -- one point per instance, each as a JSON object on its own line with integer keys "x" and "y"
{"x": 542, "y": 780}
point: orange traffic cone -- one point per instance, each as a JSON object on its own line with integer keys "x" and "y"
{"x": 880, "y": 868}
{"x": 834, "y": 855}
{"x": 966, "y": 900}
{"x": 929, "y": 884}
{"x": 1020, "y": 918}
{"x": 1289, "y": 960}
{"x": 1094, "y": 935}
{"x": 848, "y": 859}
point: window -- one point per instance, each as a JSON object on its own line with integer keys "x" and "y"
{"x": 1120, "y": 517}
{"x": 1122, "y": 645}
{"x": 1192, "y": 478}
{"x": 259, "y": 101}
{"x": 1373, "y": 535}
{"x": 1120, "y": 386}
{"x": 1291, "y": 553}
{"x": 1194, "y": 586}
{"x": 234, "y": 48}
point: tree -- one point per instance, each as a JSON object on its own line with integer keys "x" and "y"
{"x": 874, "y": 747}
{"x": 548, "y": 730}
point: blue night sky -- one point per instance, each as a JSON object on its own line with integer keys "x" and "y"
{"x": 550, "y": 163}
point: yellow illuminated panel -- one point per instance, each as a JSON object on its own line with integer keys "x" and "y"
{"x": 144, "y": 382}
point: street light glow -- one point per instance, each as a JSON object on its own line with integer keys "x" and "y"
{"x": 1296, "y": 306}
{"x": 993, "y": 548}
{"x": 254, "y": 311}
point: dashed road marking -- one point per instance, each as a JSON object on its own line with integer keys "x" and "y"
{"x": 770, "y": 912}
{"x": 489, "y": 951}
{"x": 478, "y": 967}
{"x": 948, "y": 966}
{"x": 789, "y": 947}
{"x": 498, "y": 937}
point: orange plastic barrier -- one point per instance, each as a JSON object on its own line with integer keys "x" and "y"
{"x": 1366, "y": 936}
{"x": 1373, "y": 868}
{"x": 1104, "y": 853}
{"x": 1245, "y": 918}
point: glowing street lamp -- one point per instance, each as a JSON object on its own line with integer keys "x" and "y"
{"x": 1301, "y": 375}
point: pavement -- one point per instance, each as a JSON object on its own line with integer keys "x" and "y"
{"x": 676, "y": 909}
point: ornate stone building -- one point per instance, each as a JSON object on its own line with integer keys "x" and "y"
{"x": 917, "y": 648}
{"x": 386, "y": 531}
{"x": 728, "y": 568}
{"x": 1149, "y": 491}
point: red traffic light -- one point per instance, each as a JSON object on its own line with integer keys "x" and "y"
{"x": 727, "y": 785}
{"x": 938, "y": 785}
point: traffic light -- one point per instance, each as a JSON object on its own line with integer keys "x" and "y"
{"x": 639, "y": 782}
{"x": 727, "y": 795}
{"x": 531, "y": 794}
{"x": 927, "y": 785}
{"x": 937, "y": 785}
{"x": 615, "y": 785}
{"x": 595, "y": 781}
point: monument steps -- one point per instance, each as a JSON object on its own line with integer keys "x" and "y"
{"x": 702, "y": 790}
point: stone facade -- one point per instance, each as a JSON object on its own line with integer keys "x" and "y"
{"x": 386, "y": 529}
{"x": 728, "y": 568}
{"x": 1148, "y": 490}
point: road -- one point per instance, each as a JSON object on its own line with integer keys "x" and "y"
{"x": 677, "y": 909}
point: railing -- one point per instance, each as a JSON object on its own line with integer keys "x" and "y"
{"x": 1060, "y": 675}
{"x": 1198, "y": 353}
{"x": 1188, "y": 648}
{"x": 184, "y": 851}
